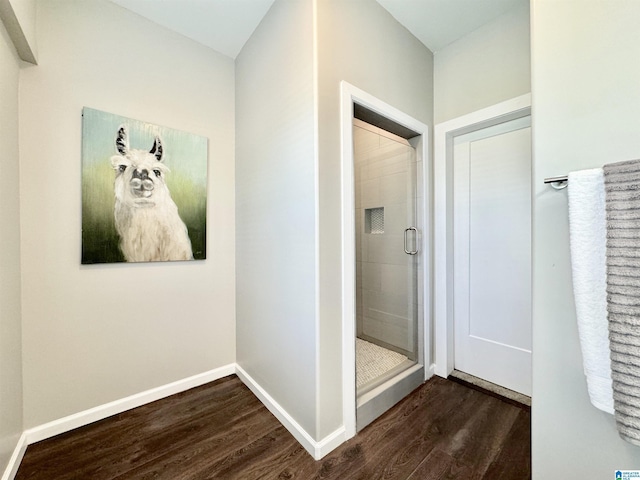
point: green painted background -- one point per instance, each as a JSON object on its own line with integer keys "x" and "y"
{"x": 184, "y": 153}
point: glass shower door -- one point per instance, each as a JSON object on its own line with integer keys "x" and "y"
{"x": 387, "y": 240}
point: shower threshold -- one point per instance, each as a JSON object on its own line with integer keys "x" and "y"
{"x": 383, "y": 378}
{"x": 376, "y": 364}
{"x": 380, "y": 398}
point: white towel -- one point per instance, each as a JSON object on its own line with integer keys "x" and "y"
{"x": 587, "y": 233}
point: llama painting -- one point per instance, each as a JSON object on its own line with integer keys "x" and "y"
{"x": 144, "y": 195}
{"x": 146, "y": 217}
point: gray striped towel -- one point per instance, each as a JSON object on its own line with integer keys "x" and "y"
{"x": 622, "y": 200}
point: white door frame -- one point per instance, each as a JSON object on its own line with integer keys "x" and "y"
{"x": 349, "y": 95}
{"x": 444, "y": 133}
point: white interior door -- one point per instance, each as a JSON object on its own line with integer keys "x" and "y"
{"x": 492, "y": 254}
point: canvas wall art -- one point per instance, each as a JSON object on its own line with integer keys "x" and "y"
{"x": 144, "y": 191}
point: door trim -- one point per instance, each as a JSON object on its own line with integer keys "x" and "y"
{"x": 349, "y": 94}
{"x": 444, "y": 134}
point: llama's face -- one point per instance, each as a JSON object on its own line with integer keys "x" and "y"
{"x": 140, "y": 174}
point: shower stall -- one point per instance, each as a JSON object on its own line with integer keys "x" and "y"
{"x": 388, "y": 197}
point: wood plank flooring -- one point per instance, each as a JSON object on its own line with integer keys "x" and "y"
{"x": 443, "y": 430}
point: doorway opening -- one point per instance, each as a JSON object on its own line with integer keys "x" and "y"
{"x": 386, "y": 257}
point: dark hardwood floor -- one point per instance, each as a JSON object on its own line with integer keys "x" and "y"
{"x": 443, "y": 430}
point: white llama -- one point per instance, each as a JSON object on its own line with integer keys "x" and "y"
{"x": 146, "y": 217}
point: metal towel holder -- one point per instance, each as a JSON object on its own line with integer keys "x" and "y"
{"x": 558, "y": 182}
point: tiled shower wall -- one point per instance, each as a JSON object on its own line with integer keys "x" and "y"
{"x": 383, "y": 185}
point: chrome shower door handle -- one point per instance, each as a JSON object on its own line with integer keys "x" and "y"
{"x": 406, "y": 250}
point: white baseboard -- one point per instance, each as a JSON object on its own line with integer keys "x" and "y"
{"x": 330, "y": 442}
{"x": 100, "y": 412}
{"x": 315, "y": 448}
{"x": 16, "y": 458}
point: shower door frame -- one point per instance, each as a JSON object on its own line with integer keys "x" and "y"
{"x": 351, "y": 95}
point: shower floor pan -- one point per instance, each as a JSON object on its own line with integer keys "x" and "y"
{"x": 375, "y": 365}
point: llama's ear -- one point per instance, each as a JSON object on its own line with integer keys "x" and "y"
{"x": 122, "y": 141}
{"x": 157, "y": 149}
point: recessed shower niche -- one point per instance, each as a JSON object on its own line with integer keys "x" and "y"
{"x": 374, "y": 220}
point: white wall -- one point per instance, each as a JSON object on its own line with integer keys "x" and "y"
{"x": 487, "y": 66}
{"x": 276, "y": 209}
{"x": 360, "y": 42}
{"x": 10, "y": 329}
{"x": 586, "y": 105}
{"x": 93, "y": 334}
